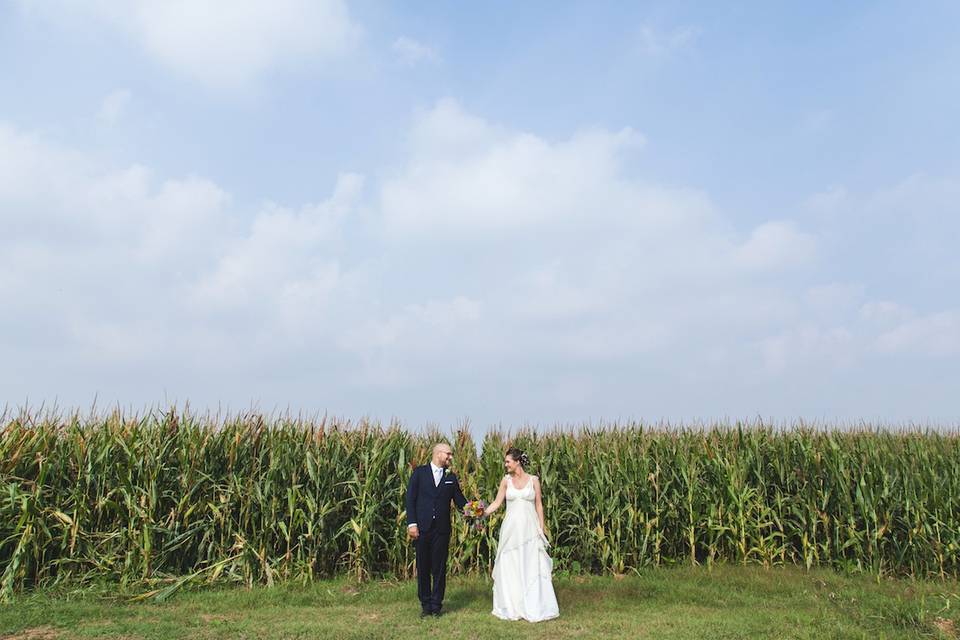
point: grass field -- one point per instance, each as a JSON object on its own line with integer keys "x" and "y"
{"x": 727, "y": 602}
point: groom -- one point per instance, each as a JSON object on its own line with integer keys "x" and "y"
{"x": 429, "y": 493}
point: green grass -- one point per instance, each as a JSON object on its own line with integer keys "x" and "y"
{"x": 727, "y": 602}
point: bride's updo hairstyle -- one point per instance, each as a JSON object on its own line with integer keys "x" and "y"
{"x": 519, "y": 456}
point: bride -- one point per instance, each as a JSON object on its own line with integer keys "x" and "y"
{"x": 522, "y": 586}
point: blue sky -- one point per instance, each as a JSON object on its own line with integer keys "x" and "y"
{"x": 514, "y": 214}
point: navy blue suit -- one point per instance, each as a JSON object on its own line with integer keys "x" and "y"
{"x": 428, "y": 506}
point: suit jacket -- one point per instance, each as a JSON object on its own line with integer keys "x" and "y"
{"x": 428, "y": 505}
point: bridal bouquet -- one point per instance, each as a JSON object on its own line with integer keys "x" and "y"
{"x": 474, "y": 511}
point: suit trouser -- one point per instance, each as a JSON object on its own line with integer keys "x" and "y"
{"x": 432, "y": 550}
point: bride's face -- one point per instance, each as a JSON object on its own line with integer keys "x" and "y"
{"x": 510, "y": 464}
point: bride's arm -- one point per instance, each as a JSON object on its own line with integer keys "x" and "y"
{"x": 539, "y": 503}
{"x": 501, "y": 492}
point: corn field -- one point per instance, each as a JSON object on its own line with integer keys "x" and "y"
{"x": 169, "y": 498}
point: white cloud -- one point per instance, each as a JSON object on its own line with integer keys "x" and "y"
{"x": 920, "y": 211}
{"x": 816, "y": 121}
{"x": 809, "y": 347}
{"x": 885, "y": 312}
{"x": 411, "y": 52}
{"x": 220, "y": 43}
{"x": 418, "y": 343}
{"x": 440, "y": 318}
{"x": 659, "y": 43}
{"x": 53, "y": 194}
{"x": 836, "y": 295}
{"x": 599, "y": 266}
{"x": 114, "y": 105}
{"x": 776, "y": 244}
{"x": 29, "y": 169}
{"x": 936, "y": 335}
{"x": 284, "y": 259}
{"x": 492, "y": 262}
{"x": 918, "y": 196}
{"x": 466, "y": 175}
{"x": 149, "y": 268}
{"x": 582, "y": 246}
{"x": 828, "y": 204}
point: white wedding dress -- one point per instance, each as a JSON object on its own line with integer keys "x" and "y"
{"x": 522, "y": 586}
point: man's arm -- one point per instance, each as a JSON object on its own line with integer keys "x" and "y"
{"x": 458, "y": 498}
{"x": 412, "y": 505}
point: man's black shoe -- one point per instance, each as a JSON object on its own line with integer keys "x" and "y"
{"x": 436, "y": 614}
{"x": 424, "y": 613}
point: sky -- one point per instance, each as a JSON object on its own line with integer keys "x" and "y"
{"x": 510, "y": 214}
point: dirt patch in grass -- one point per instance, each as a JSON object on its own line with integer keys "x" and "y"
{"x": 216, "y": 617}
{"x": 36, "y": 633}
{"x": 947, "y": 627}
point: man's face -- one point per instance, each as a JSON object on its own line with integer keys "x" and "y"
{"x": 444, "y": 457}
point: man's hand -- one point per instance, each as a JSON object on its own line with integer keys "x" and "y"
{"x": 413, "y": 532}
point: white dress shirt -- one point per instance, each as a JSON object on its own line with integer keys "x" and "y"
{"x": 437, "y": 474}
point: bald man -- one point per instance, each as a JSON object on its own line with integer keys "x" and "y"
{"x": 431, "y": 489}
